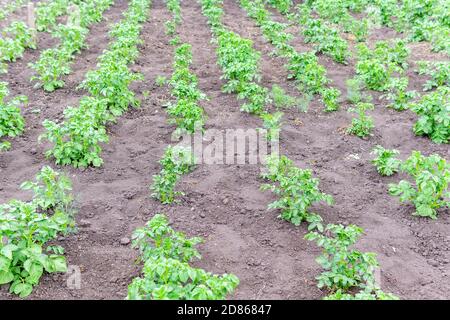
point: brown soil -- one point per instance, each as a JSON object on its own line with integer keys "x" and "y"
{"x": 223, "y": 203}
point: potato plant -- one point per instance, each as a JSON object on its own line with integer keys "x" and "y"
{"x": 363, "y": 124}
{"x": 439, "y": 73}
{"x": 47, "y": 13}
{"x": 326, "y": 40}
{"x": 433, "y": 110}
{"x": 344, "y": 268}
{"x": 12, "y": 123}
{"x": 240, "y": 65}
{"x": 14, "y": 40}
{"x": 11, "y": 7}
{"x": 430, "y": 188}
{"x": 167, "y": 273}
{"x": 185, "y": 112}
{"x": 375, "y": 67}
{"x": 27, "y": 227}
{"x": 275, "y": 33}
{"x": 330, "y": 98}
{"x": 297, "y": 191}
{"x": 282, "y": 6}
{"x": 398, "y": 95}
{"x": 385, "y": 160}
{"x": 175, "y": 162}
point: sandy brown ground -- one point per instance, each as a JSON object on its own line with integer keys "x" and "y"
{"x": 223, "y": 204}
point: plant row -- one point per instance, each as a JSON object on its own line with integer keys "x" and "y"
{"x": 165, "y": 253}
{"x": 12, "y": 122}
{"x": 167, "y": 272}
{"x": 26, "y": 228}
{"x": 189, "y": 117}
{"x": 240, "y": 68}
{"x": 54, "y": 63}
{"x": 14, "y": 40}
{"x": 10, "y": 8}
{"x": 303, "y": 67}
{"x": 77, "y": 140}
{"x": 419, "y": 20}
{"x": 345, "y": 269}
{"x": 429, "y": 190}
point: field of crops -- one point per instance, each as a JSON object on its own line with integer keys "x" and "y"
{"x": 99, "y": 200}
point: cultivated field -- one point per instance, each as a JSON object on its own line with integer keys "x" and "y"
{"x": 352, "y": 202}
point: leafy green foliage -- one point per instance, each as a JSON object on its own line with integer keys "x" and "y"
{"x": 14, "y": 40}
{"x": 76, "y": 140}
{"x": 330, "y": 98}
{"x": 185, "y": 113}
{"x": 175, "y": 162}
{"x": 433, "y": 110}
{"x": 48, "y": 12}
{"x": 327, "y": 40}
{"x": 375, "y": 67}
{"x": 385, "y": 161}
{"x": 55, "y": 63}
{"x": 281, "y": 99}
{"x": 430, "y": 190}
{"x": 344, "y": 268}
{"x": 11, "y": 121}
{"x": 167, "y": 274}
{"x": 27, "y": 227}
{"x": 5, "y": 145}
{"x": 297, "y": 190}
{"x": 240, "y": 66}
{"x": 305, "y": 68}
{"x": 439, "y": 72}
{"x": 363, "y": 124}
{"x": 398, "y": 95}
{"x": 283, "y": 6}
{"x": 51, "y": 66}
{"x": 366, "y": 294}
{"x": 272, "y": 122}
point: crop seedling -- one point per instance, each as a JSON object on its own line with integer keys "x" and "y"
{"x": 439, "y": 72}
{"x": 398, "y": 95}
{"x": 160, "y": 81}
{"x": 283, "y": 6}
{"x": 310, "y": 75}
{"x": 363, "y": 125}
{"x": 175, "y": 162}
{"x": 366, "y": 294}
{"x": 330, "y": 98}
{"x": 76, "y": 141}
{"x": 354, "y": 88}
{"x": 345, "y": 268}
{"x": 326, "y": 39}
{"x": 385, "y": 161}
{"x": 167, "y": 273}
{"x": 375, "y": 67}
{"x": 27, "y": 227}
{"x": 51, "y": 66}
{"x": 429, "y": 192}
{"x": 433, "y": 110}
{"x": 281, "y": 99}
{"x": 185, "y": 112}
{"x": 5, "y": 146}
{"x": 297, "y": 191}
{"x": 12, "y": 123}
{"x": 272, "y": 122}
